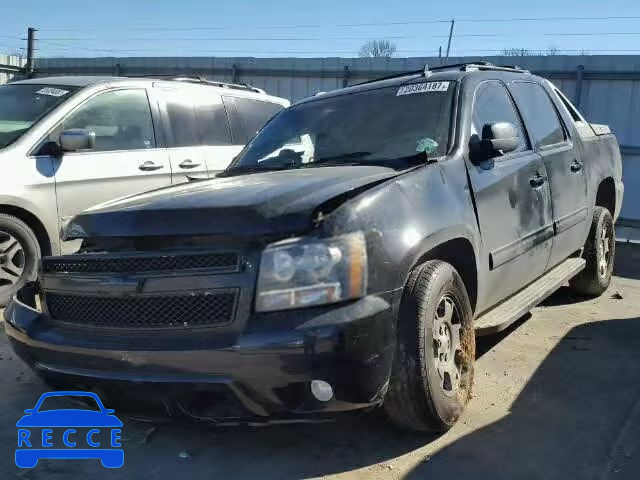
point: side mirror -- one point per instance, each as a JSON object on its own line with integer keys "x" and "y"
{"x": 500, "y": 136}
{"x": 77, "y": 139}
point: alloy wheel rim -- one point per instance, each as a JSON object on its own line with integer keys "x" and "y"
{"x": 12, "y": 261}
{"x": 447, "y": 347}
{"x": 605, "y": 251}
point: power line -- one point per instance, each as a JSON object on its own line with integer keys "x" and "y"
{"x": 235, "y": 39}
{"x": 344, "y": 25}
{"x": 299, "y": 39}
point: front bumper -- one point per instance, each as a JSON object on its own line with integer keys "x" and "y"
{"x": 265, "y": 371}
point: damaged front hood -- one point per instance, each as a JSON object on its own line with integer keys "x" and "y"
{"x": 247, "y": 205}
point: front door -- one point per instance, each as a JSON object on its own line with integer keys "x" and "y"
{"x": 563, "y": 162}
{"x": 513, "y": 202}
{"x": 125, "y": 159}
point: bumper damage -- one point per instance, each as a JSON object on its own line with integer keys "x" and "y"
{"x": 261, "y": 374}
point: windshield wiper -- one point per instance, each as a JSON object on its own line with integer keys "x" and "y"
{"x": 341, "y": 158}
{"x": 252, "y": 169}
{"x": 351, "y": 159}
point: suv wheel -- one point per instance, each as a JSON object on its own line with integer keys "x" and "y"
{"x": 432, "y": 372}
{"x": 19, "y": 255}
{"x": 599, "y": 252}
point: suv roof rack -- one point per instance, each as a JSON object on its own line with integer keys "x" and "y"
{"x": 468, "y": 66}
{"x": 201, "y": 80}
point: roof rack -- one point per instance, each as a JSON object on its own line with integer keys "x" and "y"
{"x": 201, "y": 80}
{"x": 469, "y": 66}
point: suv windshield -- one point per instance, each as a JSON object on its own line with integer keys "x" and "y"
{"x": 391, "y": 126}
{"x": 23, "y": 105}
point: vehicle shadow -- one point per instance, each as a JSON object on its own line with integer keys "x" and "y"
{"x": 577, "y": 417}
{"x": 627, "y": 261}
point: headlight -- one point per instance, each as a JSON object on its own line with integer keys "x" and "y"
{"x": 304, "y": 272}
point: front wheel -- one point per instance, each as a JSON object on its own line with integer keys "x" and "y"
{"x": 599, "y": 252}
{"x": 432, "y": 373}
{"x": 19, "y": 256}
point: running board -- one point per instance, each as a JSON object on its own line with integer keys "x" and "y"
{"x": 510, "y": 310}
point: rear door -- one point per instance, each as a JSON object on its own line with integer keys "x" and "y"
{"x": 187, "y": 157}
{"x": 126, "y": 158}
{"x": 563, "y": 163}
{"x": 512, "y": 199}
{"x": 214, "y": 131}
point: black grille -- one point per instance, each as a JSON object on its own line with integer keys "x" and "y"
{"x": 219, "y": 262}
{"x": 205, "y": 308}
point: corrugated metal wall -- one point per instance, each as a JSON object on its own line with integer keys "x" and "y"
{"x": 605, "y": 88}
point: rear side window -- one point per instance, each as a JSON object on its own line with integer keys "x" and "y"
{"x": 573, "y": 111}
{"x": 254, "y": 114}
{"x": 213, "y": 125}
{"x": 493, "y": 104}
{"x": 182, "y": 119}
{"x": 539, "y": 113}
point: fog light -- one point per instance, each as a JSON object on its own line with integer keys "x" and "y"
{"x": 321, "y": 390}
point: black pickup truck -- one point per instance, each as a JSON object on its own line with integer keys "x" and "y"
{"x": 346, "y": 259}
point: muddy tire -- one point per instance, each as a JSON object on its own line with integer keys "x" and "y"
{"x": 19, "y": 256}
{"x": 432, "y": 373}
{"x": 599, "y": 252}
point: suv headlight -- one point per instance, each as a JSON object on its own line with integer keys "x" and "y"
{"x": 305, "y": 272}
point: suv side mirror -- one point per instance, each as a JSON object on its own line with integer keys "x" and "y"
{"x": 500, "y": 136}
{"x": 77, "y": 139}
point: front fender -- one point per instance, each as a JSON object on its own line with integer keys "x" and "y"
{"x": 40, "y": 203}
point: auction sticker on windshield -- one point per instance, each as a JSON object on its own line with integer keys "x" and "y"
{"x": 423, "y": 88}
{"x": 53, "y": 92}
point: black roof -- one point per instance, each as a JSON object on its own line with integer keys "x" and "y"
{"x": 440, "y": 73}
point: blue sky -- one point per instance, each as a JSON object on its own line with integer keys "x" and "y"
{"x": 331, "y": 27}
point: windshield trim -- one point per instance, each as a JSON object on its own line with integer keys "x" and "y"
{"x": 73, "y": 90}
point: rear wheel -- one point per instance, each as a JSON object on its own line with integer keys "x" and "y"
{"x": 19, "y": 256}
{"x": 432, "y": 372}
{"x": 599, "y": 252}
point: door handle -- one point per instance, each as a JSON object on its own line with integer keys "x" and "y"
{"x": 188, "y": 164}
{"x": 576, "y": 166}
{"x": 149, "y": 166}
{"x": 537, "y": 181}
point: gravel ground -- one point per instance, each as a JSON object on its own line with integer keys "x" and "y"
{"x": 556, "y": 396}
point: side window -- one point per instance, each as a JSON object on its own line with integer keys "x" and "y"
{"x": 182, "y": 119}
{"x": 492, "y": 104}
{"x": 573, "y": 111}
{"x": 211, "y": 116}
{"x": 539, "y": 113}
{"x": 254, "y": 114}
{"x": 237, "y": 131}
{"x": 120, "y": 119}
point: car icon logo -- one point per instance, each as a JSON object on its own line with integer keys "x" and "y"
{"x": 38, "y": 428}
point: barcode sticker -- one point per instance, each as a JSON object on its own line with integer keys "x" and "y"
{"x": 423, "y": 88}
{"x": 53, "y": 92}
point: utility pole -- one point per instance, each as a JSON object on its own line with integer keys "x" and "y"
{"x": 31, "y": 40}
{"x": 453, "y": 22}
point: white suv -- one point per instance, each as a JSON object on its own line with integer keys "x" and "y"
{"x": 68, "y": 143}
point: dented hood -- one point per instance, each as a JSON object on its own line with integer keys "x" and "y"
{"x": 247, "y": 205}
